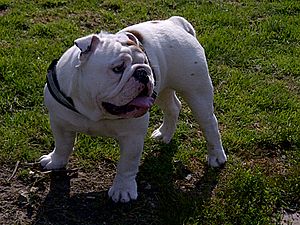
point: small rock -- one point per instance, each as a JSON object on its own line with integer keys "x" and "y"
{"x": 188, "y": 177}
{"x": 290, "y": 218}
{"x": 148, "y": 186}
{"x": 33, "y": 189}
{"x": 152, "y": 204}
{"x": 23, "y": 198}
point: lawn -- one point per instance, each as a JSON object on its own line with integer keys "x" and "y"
{"x": 253, "y": 52}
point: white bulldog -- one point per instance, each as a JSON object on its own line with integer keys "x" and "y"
{"x": 106, "y": 83}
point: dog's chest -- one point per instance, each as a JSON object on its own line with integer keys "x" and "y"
{"x": 102, "y": 128}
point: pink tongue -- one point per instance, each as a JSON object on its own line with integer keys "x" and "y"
{"x": 142, "y": 102}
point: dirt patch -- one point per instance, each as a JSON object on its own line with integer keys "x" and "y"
{"x": 79, "y": 195}
{"x": 70, "y": 197}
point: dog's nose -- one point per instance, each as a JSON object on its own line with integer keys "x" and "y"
{"x": 141, "y": 76}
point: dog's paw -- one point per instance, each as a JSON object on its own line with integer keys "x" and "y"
{"x": 52, "y": 162}
{"x": 123, "y": 191}
{"x": 162, "y": 135}
{"x": 218, "y": 159}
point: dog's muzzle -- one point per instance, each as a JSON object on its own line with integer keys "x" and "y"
{"x": 139, "y": 104}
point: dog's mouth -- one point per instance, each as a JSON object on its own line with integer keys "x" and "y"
{"x": 135, "y": 108}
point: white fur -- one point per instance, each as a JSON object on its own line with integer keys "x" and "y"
{"x": 84, "y": 74}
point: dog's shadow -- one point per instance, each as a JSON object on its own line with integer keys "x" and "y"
{"x": 160, "y": 200}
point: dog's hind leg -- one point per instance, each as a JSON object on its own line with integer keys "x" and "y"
{"x": 170, "y": 105}
{"x": 201, "y": 104}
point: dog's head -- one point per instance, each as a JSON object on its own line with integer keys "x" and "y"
{"x": 115, "y": 71}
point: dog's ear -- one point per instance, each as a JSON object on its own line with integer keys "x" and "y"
{"x": 87, "y": 45}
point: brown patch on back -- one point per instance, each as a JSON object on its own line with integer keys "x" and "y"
{"x": 130, "y": 42}
{"x": 137, "y": 34}
{"x": 137, "y": 47}
{"x": 154, "y": 22}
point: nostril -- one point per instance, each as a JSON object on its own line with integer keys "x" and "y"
{"x": 141, "y": 75}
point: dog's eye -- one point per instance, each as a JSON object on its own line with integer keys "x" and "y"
{"x": 120, "y": 68}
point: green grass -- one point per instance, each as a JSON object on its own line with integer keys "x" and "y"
{"x": 253, "y": 52}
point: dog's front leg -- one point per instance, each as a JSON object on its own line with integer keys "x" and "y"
{"x": 124, "y": 186}
{"x": 64, "y": 142}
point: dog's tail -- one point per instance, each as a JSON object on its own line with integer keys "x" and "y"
{"x": 180, "y": 21}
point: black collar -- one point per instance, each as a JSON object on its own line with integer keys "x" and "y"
{"x": 53, "y": 87}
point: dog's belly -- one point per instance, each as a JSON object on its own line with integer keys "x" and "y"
{"x": 102, "y": 128}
